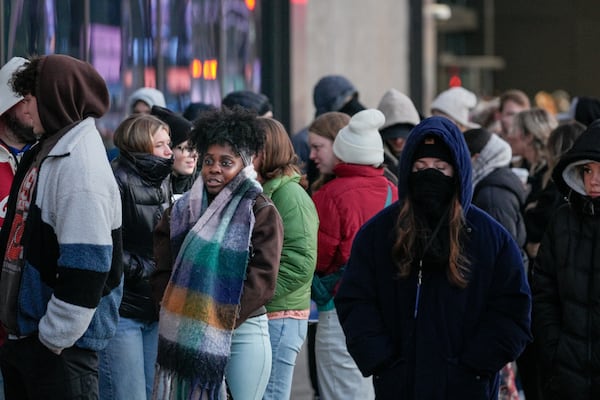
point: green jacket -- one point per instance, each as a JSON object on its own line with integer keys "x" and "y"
{"x": 299, "y": 254}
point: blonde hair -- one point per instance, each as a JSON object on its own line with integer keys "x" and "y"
{"x": 536, "y": 123}
{"x": 135, "y": 133}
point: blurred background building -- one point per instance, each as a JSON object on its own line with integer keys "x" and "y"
{"x": 200, "y": 50}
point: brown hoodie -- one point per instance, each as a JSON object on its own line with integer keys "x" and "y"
{"x": 68, "y": 91}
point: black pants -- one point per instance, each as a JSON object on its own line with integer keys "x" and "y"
{"x": 31, "y": 371}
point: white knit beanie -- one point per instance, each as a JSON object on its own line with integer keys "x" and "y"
{"x": 398, "y": 108}
{"x": 359, "y": 142}
{"x": 456, "y": 102}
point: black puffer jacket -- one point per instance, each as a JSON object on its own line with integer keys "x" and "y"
{"x": 145, "y": 195}
{"x": 502, "y": 195}
{"x": 566, "y": 283}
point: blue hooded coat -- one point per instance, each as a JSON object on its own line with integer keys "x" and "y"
{"x": 453, "y": 341}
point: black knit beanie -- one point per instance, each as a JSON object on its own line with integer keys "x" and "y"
{"x": 433, "y": 146}
{"x": 477, "y": 139}
{"x": 180, "y": 127}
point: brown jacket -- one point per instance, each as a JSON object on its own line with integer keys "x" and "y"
{"x": 263, "y": 266}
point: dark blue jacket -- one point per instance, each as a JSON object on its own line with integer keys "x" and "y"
{"x": 455, "y": 345}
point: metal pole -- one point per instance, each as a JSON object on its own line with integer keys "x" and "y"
{"x": 160, "y": 62}
{"x": 2, "y": 34}
{"x": 86, "y": 30}
{"x": 429, "y": 57}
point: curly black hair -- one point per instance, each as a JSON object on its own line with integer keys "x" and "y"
{"x": 24, "y": 81}
{"x": 235, "y": 126}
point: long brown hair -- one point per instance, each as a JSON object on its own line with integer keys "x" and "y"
{"x": 279, "y": 157}
{"x": 403, "y": 251}
{"x": 327, "y": 125}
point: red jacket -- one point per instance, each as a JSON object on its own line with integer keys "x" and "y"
{"x": 344, "y": 204}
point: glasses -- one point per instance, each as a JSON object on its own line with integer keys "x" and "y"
{"x": 187, "y": 149}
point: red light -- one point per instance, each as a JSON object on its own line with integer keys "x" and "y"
{"x": 251, "y": 4}
{"x": 455, "y": 81}
{"x": 150, "y": 77}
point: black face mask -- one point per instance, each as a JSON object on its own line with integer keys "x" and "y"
{"x": 430, "y": 192}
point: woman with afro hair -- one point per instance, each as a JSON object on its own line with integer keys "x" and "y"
{"x": 218, "y": 253}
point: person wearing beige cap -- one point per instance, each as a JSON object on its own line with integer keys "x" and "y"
{"x": 359, "y": 191}
{"x": 455, "y": 104}
{"x": 401, "y": 116}
{"x": 15, "y": 136}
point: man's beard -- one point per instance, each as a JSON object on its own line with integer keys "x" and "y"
{"x": 22, "y": 132}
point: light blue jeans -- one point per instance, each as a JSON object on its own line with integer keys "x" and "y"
{"x": 287, "y": 336}
{"x": 339, "y": 377}
{"x": 248, "y": 370}
{"x": 126, "y": 365}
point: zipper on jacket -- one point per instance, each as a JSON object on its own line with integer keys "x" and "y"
{"x": 419, "y": 281}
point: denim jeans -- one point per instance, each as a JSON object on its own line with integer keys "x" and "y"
{"x": 127, "y": 363}
{"x": 287, "y": 336}
{"x": 31, "y": 371}
{"x": 248, "y": 370}
{"x": 339, "y": 377}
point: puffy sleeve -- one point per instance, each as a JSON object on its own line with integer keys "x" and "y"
{"x": 265, "y": 255}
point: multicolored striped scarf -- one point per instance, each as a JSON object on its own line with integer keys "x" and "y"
{"x": 202, "y": 299}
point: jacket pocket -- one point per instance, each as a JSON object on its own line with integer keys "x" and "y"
{"x": 390, "y": 382}
{"x": 463, "y": 383}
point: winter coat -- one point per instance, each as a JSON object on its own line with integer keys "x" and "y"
{"x": 72, "y": 277}
{"x": 261, "y": 273}
{"x": 443, "y": 342}
{"x": 145, "y": 195}
{"x": 538, "y": 216}
{"x": 65, "y": 203}
{"x": 8, "y": 165}
{"x": 344, "y": 204}
{"x": 299, "y": 253}
{"x": 502, "y": 195}
{"x": 566, "y": 283}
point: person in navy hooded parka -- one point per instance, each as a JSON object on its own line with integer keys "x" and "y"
{"x": 434, "y": 300}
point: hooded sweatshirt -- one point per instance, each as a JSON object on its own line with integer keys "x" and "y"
{"x": 65, "y": 228}
{"x": 409, "y": 335}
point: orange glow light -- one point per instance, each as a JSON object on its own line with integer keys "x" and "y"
{"x": 196, "y": 68}
{"x": 251, "y": 4}
{"x": 210, "y": 70}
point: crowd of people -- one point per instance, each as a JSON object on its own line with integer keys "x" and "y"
{"x": 447, "y": 253}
